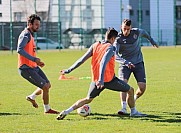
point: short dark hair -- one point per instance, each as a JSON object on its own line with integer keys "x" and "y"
{"x": 32, "y": 18}
{"x": 111, "y": 32}
{"x": 127, "y": 22}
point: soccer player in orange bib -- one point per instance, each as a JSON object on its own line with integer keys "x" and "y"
{"x": 103, "y": 76}
{"x": 28, "y": 64}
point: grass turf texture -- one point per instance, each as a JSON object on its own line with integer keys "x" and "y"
{"x": 161, "y": 100}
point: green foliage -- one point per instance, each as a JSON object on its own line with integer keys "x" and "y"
{"x": 161, "y": 100}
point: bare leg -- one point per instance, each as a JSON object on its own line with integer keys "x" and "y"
{"x": 123, "y": 97}
{"x": 45, "y": 98}
{"x": 37, "y": 92}
{"x": 130, "y": 98}
{"x": 81, "y": 102}
{"x": 46, "y": 93}
{"x": 141, "y": 89}
{"x": 75, "y": 106}
{"x": 131, "y": 102}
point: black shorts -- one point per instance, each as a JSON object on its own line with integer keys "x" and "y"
{"x": 138, "y": 71}
{"x": 115, "y": 84}
{"x": 34, "y": 75}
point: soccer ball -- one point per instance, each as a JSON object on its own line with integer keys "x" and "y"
{"x": 84, "y": 111}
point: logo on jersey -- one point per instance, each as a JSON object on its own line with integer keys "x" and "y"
{"x": 34, "y": 49}
{"x": 135, "y": 36}
{"x": 124, "y": 40}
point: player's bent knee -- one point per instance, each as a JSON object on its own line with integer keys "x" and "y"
{"x": 49, "y": 85}
{"x": 46, "y": 87}
{"x": 142, "y": 86}
{"x": 88, "y": 100}
{"x": 131, "y": 91}
{"x": 125, "y": 80}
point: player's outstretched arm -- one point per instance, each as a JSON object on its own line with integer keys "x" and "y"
{"x": 147, "y": 36}
{"x": 79, "y": 62}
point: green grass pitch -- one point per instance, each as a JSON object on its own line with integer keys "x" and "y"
{"x": 161, "y": 101}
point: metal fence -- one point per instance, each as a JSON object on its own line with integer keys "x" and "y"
{"x": 79, "y": 23}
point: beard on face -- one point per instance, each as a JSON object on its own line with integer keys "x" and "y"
{"x": 35, "y": 29}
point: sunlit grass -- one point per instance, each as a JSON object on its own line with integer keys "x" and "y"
{"x": 161, "y": 100}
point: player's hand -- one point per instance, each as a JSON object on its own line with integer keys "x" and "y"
{"x": 155, "y": 45}
{"x": 64, "y": 72}
{"x": 130, "y": 65}
{"x": 39, "y": 62}
{"x": 99, "y": 85}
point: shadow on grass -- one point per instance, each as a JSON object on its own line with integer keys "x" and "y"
{"x": 164, "y": 117}
{"x": 167, "y": 117}
{"x": 6, "y": 114}
{"x": 170, "y": 113}
{"x": 100, "y": 116}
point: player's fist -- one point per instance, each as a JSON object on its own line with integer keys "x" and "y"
{"x": 155, "y": 45}
{"x": 64, "y": 72}
{"x": 39, "y": 62}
